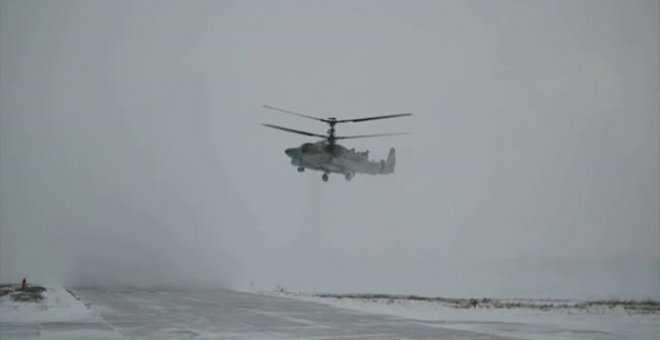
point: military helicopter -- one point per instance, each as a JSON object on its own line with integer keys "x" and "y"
{"x": 329, "y": 157}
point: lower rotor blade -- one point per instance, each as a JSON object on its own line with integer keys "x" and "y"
{"x": 375, "y": 135}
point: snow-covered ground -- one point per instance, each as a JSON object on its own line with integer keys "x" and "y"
{"x": 113, "y": 314}
{"x": 58, "y": 305}
{"x": 59, "y": 316}
{"x": 555, "y": 320}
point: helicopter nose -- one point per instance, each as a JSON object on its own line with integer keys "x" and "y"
{"x": 290, "y": 152}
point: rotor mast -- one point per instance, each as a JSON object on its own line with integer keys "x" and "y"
{"x": 331, "y": 132}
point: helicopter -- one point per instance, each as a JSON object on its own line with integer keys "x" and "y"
{"x": 329, "y": 157}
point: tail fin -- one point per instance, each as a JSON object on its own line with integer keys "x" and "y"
{"x": 391, "y": 162}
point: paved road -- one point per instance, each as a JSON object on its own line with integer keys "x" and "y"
{"x": 198, "y": 314}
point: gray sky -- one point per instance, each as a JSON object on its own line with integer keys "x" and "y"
{"x": 131, "y": 151}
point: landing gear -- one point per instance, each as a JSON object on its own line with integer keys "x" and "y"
{"x": 349, "y": 176}
{"x": 324, "y": 177}
{"x": 301, "y": 169}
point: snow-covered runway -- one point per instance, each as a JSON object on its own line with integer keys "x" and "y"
{"x": 139, "y": 314}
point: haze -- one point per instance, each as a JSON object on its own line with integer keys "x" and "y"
{"x": 131, "y": 151}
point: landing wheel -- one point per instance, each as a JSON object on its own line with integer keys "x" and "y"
{"x": 349, "y": 176}
{"x": 301, "y": 169}
{"x": 324, "y": 177}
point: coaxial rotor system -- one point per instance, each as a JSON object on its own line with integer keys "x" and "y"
{"x": 331, "y": 137}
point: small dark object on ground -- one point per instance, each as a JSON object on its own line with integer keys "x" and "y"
{"x": 17, "y": 293}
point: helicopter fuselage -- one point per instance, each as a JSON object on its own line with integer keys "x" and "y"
{"x": 335, "y": 158}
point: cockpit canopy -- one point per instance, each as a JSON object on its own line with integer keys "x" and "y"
{"x": 307, "y": 148}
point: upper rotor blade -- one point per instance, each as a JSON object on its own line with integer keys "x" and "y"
{"x": 294, "y": 113}
{"x": 373, "y": 118}
{"x": 376, "y": 135}
{"x": 295, "y": 131}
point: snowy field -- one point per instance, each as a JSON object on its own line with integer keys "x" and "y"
{"x": 59, "y": 316}
{"x": 522, "y": 319}
{"x": 218, "y": 314}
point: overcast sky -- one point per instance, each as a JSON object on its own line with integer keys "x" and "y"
{"x": 131, "y": 150}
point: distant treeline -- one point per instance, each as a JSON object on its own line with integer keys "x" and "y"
{"x": 636, "y": 306}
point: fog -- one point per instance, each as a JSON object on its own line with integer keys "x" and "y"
{"x": 131, "y": 151}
